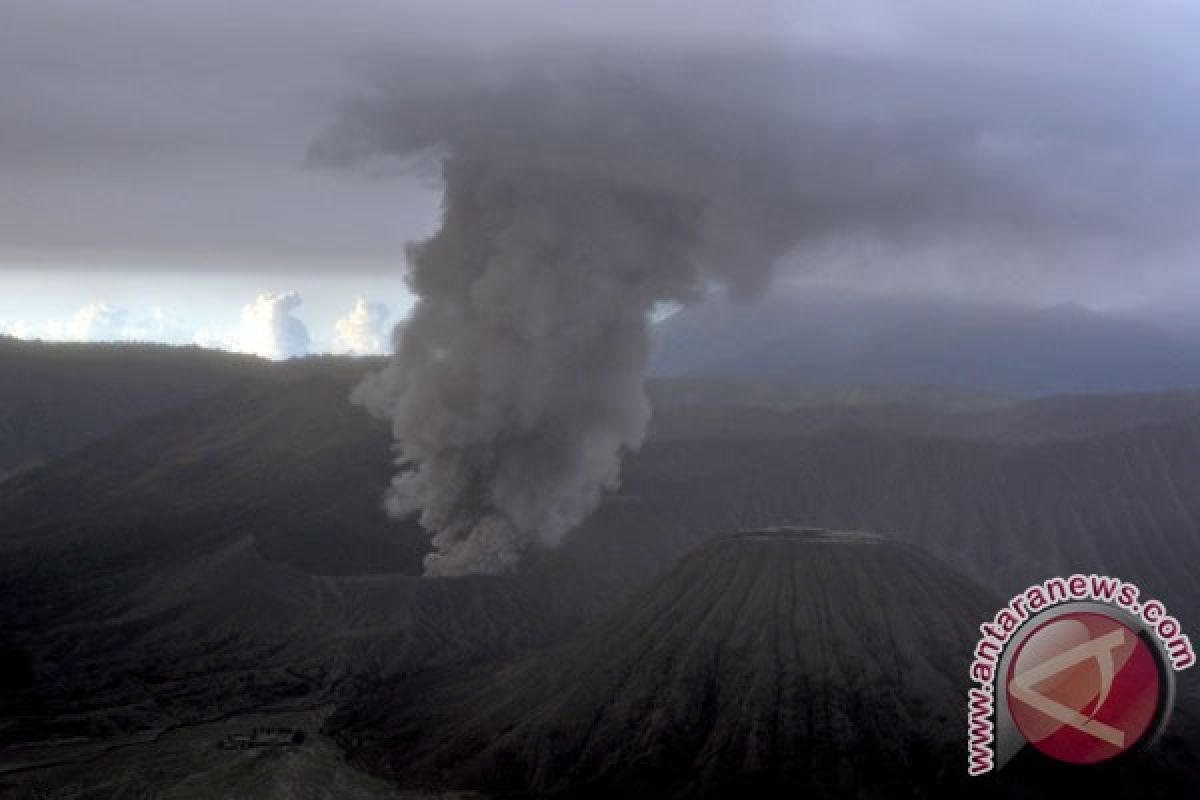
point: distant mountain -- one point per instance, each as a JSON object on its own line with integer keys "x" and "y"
{"x": 56, "y": 397}
{"x": 821, "y": 336}
{"x": 727, "y": 405}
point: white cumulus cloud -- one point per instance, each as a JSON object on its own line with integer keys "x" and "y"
{"x": 18, "y": 328}
{"x": 95, "y": 322}
{"x": 269, "y": 329}
{"x": 157, "y": 326}
{"x": 363, "y": 331}
{"x": 101, "y": 321}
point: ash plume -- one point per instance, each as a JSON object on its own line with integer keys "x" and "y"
{"x": 572, "y": 208}
{"x": 576, "y": 200}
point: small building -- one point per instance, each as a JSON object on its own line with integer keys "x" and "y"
{"x": 262, "y": 737}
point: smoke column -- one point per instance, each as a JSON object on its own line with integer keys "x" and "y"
{"x": 577, "y": 198}
{"x": 571, "y": 209}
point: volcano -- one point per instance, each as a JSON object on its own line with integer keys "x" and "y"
{"x": 769, "y": 661}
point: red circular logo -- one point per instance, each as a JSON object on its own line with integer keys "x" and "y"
{"x": 1084, "y": 687}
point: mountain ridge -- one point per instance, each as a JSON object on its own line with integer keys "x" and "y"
{"x": 828, "y": 336}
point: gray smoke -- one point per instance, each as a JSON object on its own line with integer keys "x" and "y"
{"x": 573, "y": 207}
{"x": 576, "y": 200}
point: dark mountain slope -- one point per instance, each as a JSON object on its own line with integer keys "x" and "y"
{"x": 725, "y": 407}
{"x": 234, "y": 552}
{"x": 766, "y": 663}
{"x": 1004, "y": 513}
{"x": 231, "y": 554}
{"x": 277, "y": 461}
{"x": 57, "y": 397}
{"x": 231, "y": 631}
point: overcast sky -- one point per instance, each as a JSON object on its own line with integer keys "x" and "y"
{"x": 158, "y": 178}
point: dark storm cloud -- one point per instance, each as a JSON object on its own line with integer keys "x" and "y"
{"x": 1076, "y": 176}
{"x": 139, "y": 134}
{"x": 1028, "y": 138}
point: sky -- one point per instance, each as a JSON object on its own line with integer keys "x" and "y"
{"x": 174, "y": 171}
